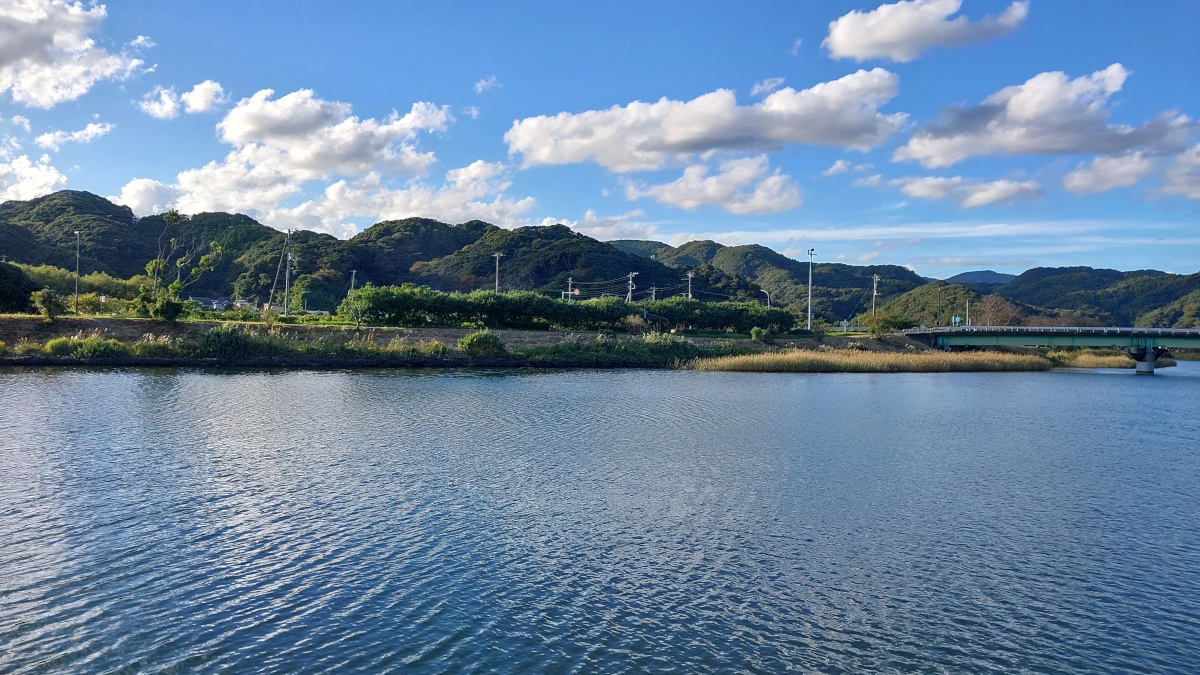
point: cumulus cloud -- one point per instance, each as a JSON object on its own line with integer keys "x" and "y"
{"x": 605, "y": 228}
{"x": 472, "y": 192}
{"x": 282, "y": 145}
{"x": 840, "y": 166}
{"x": 968, "y": 193}
{"x": 743, "y": 186}
{"x": 489, "y": 82}
{"x": 46, "y": 56}
{"x": 23, "y": 178}
{"x": 1049, "y": 114}
{"x": 1107, "y": 173}
{"x": 903, "y": 31}
{"x": 162, "y": 103}
{"x": 141, "y": 42}
{"x": 646, "y": 136}
{"x": 21, "y": 121}
{"x": 766, "y": 86}
{"x": 204, "y": 97}
{"x": 55, "y": 139}
{"x": 471, "y": 111}
{"x": 1183, "y": 178}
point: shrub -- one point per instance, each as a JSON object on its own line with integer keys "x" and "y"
{"x": 433, "y": 348}
{"x": 166, "y": 309}
{"x": 48, "y": 304}
{"x": 230, "y": 344}
{"x": 60, "y": 346}
{"x": 483, "y": 343}
{"x": 3, "y": 348}
{"x": 761, "y": 335}
{"x": 27, "y": 347}
{"x": 96, "y": 347}
{"x": 154, "y": 345}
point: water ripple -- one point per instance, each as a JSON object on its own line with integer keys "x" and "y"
{"x": 604, "y": 521}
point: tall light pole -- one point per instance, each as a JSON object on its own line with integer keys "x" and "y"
{"x": 811, "y": 253}
{"x": 690, "y": 275}
{"x": 497, "y": 256}
{"x": 874, "y": 292}
{"x": 768, "y": 297}
{"x": 76, "y": 271}
{"x": 287, "y": 277}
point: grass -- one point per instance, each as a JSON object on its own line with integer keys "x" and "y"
{"x": 1100, "y": 358}
{"x": 849, "y": 361}
{"x": 653, "y": 350}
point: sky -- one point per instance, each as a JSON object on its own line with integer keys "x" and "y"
{"x": 943, "y": 135}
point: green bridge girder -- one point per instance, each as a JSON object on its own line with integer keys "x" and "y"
{"x": 1039, "y": 336}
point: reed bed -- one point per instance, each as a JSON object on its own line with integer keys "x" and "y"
{"x": 810, "y": 361}
{"x": 1101, "y": 359}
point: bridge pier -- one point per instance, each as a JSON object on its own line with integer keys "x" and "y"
{"x": 1145, "y": 357}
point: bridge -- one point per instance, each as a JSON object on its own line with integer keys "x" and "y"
{"x": 1143, "y": 345}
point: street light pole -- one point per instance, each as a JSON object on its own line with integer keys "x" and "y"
{"x": 497, "y": 256}
{"x": 874, "y": 291}
{"x": 768, "y": 297}
{"x": 76, "y": 271}
{"x": 811, "y": 252}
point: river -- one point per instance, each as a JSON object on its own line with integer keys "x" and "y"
{"x": 622, "y": 521}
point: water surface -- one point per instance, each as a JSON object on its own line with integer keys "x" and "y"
{"x": 623, "y": 521}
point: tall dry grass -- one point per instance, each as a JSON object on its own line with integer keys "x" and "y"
{"x": 809, "y": 361}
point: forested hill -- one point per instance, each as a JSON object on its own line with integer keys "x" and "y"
{"x": 459, "y": 257}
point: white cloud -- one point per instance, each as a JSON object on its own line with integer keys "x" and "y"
{"x": 471, "y": 111}
{"x": 605, "y": 228}
{"x": 22, "y": 178}
{"x": 472, "y": 192}
{"x": 840, "y": 166}
{"x": 766, "y": 86}
{"x": 904, "y": 30}
{"x": 874, "y": 180}
{"x": 768, "y": 192}
{"x": 46, "y": 56}
{"x": 1183, "y": 178}
{"x": 282, "y": 145}
{"x": 160, "y": 104}
{"x": 968, "y": 193}
{"x": 646, "y": 136}
{"x": 21, "y": 121}
{"x": 141, "y": 42}
{"x": 795, "y": 48}
{"x": 1049, "y": 114}
{"x": 1107, "y": 173}
{"x": 54, "y": 140}
{"x": 489, "y": 82}
{"x": 146, "y": 196}
{"x": 204, "y": 97}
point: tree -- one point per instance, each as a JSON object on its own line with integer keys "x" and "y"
{"x": 48, "y": 304}
{"x": 15, "y": 289}
{"x": 996, "y": 311}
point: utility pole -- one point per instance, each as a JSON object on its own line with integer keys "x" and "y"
{"x": 653, "y": 290}
{"x": 968, "y": 311}
{"x": 874, "y": 292}
{"x": 768, "y": 297}
{"x": 937, "y": 322}
{"x": 76, "y": 271}
{"x": 811, "y": 252}
{"x": 629, "y": 295}
{"x": 497, "y": 256}
{"x": 287, "y": 276}
{"x": 690, "y": 275}
{"x": 353, "y": 273}
{"x": 570, "y": 281}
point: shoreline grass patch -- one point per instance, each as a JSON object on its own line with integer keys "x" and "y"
{"x": 850, "y": 361}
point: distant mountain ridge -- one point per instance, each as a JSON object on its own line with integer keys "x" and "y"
{"x": 544, "y": 258}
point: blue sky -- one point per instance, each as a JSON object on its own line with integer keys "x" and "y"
{"x": 941, "y": 135}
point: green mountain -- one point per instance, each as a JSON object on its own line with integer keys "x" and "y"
{"x": 839, "y": 291}
{"x": 981, "y": 277}
{"x": 639, "y": 247}
{"x": 1109, "y": 296}
{"x": 543, "y": 258}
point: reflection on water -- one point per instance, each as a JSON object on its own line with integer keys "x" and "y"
{"x": 612, "y": 521}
